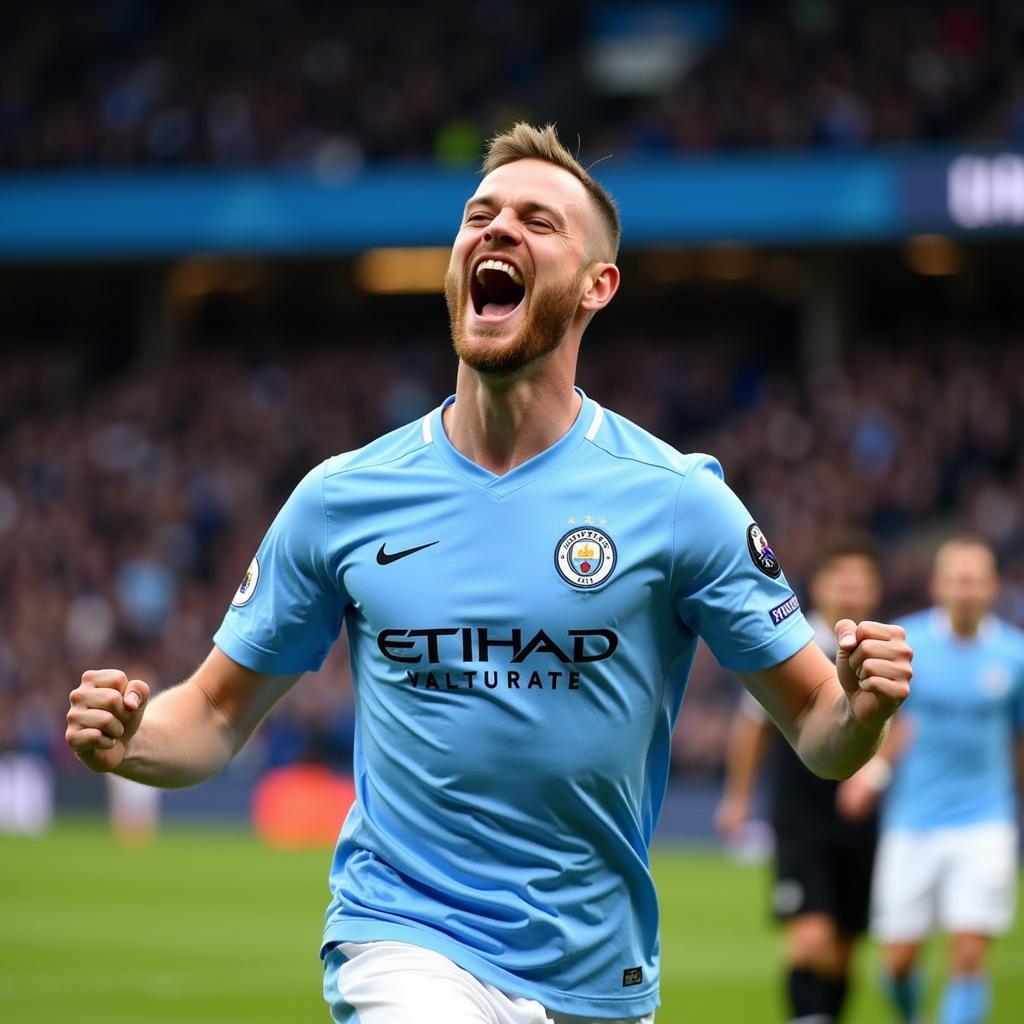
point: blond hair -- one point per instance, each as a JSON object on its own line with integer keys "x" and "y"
{"x": 526, "y": 142}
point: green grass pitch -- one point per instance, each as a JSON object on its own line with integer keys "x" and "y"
{"x": 209, "y": 927}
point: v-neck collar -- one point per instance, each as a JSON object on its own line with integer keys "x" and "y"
{"x": 585, "y": 424}
{"x": 943, "y": 628}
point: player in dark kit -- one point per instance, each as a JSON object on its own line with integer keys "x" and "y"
{"x": 825, "y": 831}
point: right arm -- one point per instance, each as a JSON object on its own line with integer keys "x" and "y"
{"x": 283, "y": 619}
{"x": 748, "y": 743}
{"x": 186, "y": 734}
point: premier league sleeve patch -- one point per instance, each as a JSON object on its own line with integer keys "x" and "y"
{"x": 761, "y": 552}
{"x": 243, "y": 595}
{"x": 585, "y": 557}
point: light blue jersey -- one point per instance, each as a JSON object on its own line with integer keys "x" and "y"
{"x": 965, "y": 704}
{"x": 520, "y": 646}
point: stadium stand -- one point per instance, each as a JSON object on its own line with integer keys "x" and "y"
{"x": 840, "y": 75}
{"x": 131, "y": 503}
{"x": 331, "y": 86}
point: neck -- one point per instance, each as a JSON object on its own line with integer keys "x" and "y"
{"x": 830, "y": 616}
{"x": 965, "y": 629}
{"x": 501, "y": 423}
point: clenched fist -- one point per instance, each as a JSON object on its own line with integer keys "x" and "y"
{"x": 106, "y": 711}
{"x": 873, "y": 665}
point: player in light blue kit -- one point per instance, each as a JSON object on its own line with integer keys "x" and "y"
{"x": 948, "y": 855}
{"x": 523, "y": 577}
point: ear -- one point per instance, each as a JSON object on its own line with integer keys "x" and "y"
{"x": 603, "y": 281}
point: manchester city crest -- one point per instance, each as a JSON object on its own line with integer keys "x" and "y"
{"x": 585, "y": 557}
{"x": 995, "y": 680}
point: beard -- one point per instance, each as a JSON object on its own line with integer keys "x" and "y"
{"x": 549, "y": 317}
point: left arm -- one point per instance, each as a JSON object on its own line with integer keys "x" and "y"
{"x": 835, "y": 717}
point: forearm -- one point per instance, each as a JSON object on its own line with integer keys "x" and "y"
{"x": 831, "y": 740}
{"x": 184, "y": 738}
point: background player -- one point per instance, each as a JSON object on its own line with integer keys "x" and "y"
{"x": 948, "y": 854}
{"x": 825, "y": 831}
{"x": 519, "y": 661}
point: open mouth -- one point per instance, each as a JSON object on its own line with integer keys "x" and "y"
{"x": 496, "y": 288}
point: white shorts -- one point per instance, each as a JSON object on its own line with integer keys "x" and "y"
{"x": 399, "y": 983}
{"x": 958, "y": 879}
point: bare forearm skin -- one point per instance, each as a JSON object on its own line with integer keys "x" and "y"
{"x": 184, "y": 739}
{"x": 832, "y": 741}
{"x": 179, "y": 738}
{"x": 191, "y": 732}
{"x": 836, "y": 716}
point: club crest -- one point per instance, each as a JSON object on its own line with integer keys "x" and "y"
{"x": 995, "y": 681}
{"x": 585, "y": 557}
{"x": 243, "y": 595}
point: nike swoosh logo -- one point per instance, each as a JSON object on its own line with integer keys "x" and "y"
{"x": 383, "y": 558}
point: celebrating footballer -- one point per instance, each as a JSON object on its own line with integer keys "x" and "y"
{"x": 524, "y": 577}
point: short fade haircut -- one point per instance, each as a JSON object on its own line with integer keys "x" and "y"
{"x": 847, "y": 544}
{"x": 526, "y": 142}
{"x": 966, "y": 540}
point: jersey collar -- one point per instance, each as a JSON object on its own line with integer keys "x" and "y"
{"x": 943, "y": 628}
{"x": 588, "y": 419}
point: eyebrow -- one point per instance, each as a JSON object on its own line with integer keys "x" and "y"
{"x": 526, "y": 206}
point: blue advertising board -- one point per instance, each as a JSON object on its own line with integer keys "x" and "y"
{"x": 774, "y": 199}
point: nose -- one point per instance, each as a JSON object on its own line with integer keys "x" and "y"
{"x": 504, "y": 228}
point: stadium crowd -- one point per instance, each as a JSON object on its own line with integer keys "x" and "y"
{"x": 329, "y": 86}
{"x": 841, "y": 76}
{"x": 305, "y": 84}
{"x": 130, "y": 504}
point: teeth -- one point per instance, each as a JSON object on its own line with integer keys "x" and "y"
{"x": 499, "y": 265}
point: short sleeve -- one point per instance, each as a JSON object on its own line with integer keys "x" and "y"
{"x": 727, "y": 584}
{"x": 288, "y": 610}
